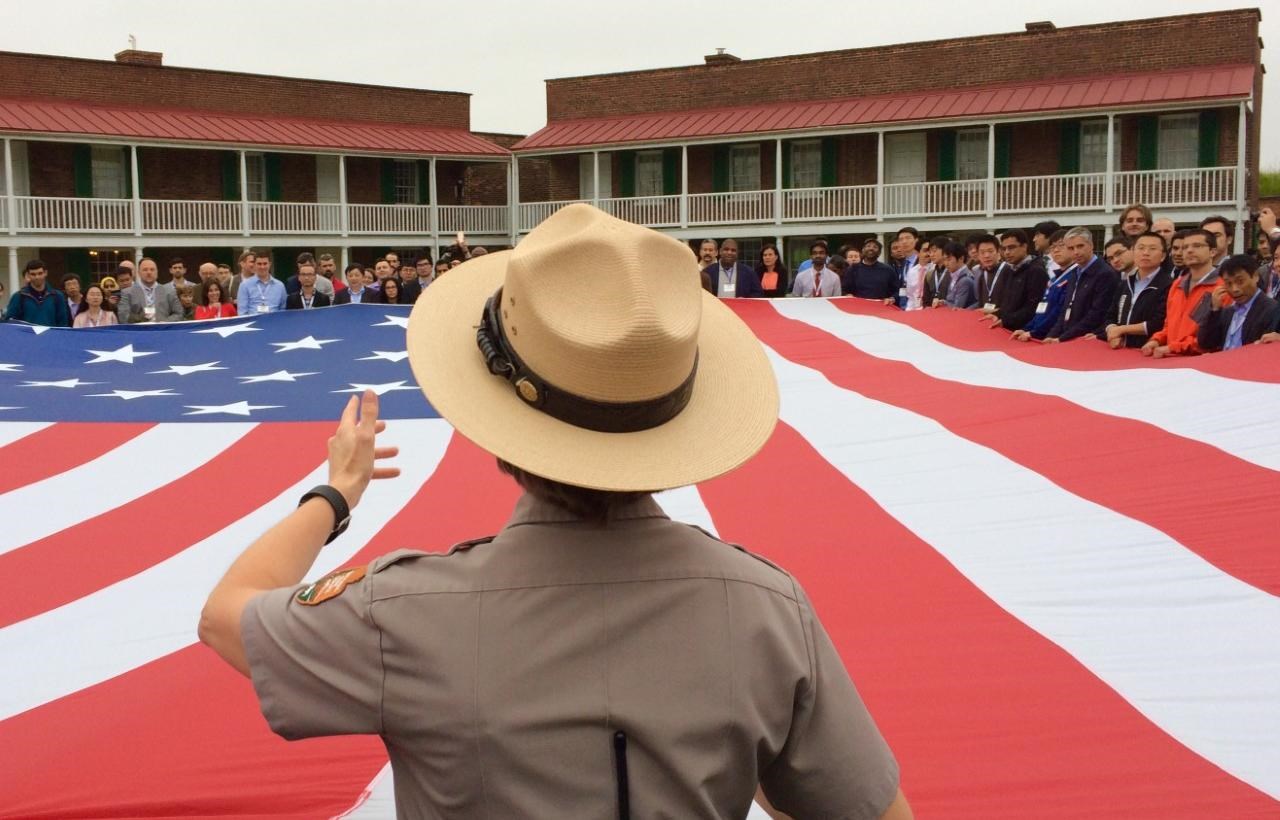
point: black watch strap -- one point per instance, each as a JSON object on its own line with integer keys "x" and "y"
{"x": 341, "y": 512}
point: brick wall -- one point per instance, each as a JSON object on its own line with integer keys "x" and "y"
{"x": 364, "y": 180}
{"x": 174, "y": 173}
{"x": 50, "y": 169}
{"x": 1138, "y": 45}
{"x": 298, "y": 177}
{"x": 104, "y": 81}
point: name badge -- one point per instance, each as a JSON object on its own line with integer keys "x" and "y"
{"x": 262, "y": 307}
{"x": 902, "y": 293}
{"x": 1066, "y": 317}
{"x": 989, "y": 307}
{"x": 1042, "y": 307}
{"x": 149, "y": 311}
{"x": 727, "y": 290}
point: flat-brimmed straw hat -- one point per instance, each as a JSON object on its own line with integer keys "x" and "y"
{"x": 591, "y": 355}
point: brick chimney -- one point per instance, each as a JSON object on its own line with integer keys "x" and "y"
{"x": 1041, "y": 27}
{"x": 721, "y": 58}
{"x": 132, "y": 56}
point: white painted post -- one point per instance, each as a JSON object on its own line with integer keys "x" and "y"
{"x": 435, "y": 206}
{"x": 880, "y": 176}
{"x": 991, "y": 170}
{"x": 684, "y": 186}
{"x": 595, "y": 178}
{"x": 244, "y": 194}
{"x": 777, "y": 182}
{"x": 1110, "y": 201}
{"x": 13, "y": 271}
{"x": 1242, "y": 137}
{"x": 135, "y": 177}
{"x": 344, "y": 216}
{"x": 345, "y": 260}
{"x": 11, "y": 204}
{"x": 513, "y": 194}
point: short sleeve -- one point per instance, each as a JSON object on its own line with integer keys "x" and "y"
{"x": 317, "y": 669}
{"x": 835, "y": 762}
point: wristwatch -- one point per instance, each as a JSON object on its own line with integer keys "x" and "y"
{"x": 341, "y": 512}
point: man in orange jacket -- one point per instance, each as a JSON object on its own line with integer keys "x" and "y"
{"x": 1188, "y": 299}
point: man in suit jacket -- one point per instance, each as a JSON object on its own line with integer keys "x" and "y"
{"x": 732, "y": 279}
{"x": 147, "y": 301}
{"x": 1092, "y": 293}
{"x": 1020, "y": 285}
{"x": 1250, "y": 314}
{"x": 1139, "y": 306}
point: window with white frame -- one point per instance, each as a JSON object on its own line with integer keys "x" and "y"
{"x": 806, "y": 164}
{"x": 255, "y": 172}
{"x": 1178, "y": 142}
{"x": 749, "y": 251}
{"x": 971, "y": 154}
{"x": 406, "y": 182}
{"x": 649, "y": 173}
{"x": 109, "y": 171}
{"x": 1093, "y": 147}
{"x": 744, "y": 167}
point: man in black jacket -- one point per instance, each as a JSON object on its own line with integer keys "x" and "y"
{"x": 1091, "y": 295}
{"x": 1139, "y": 307}
{"x": 1021, "y": 284}
{"x": 870, "y": 278}
{"x": 307, "y": 296}
{"x": 1250, "y": 314}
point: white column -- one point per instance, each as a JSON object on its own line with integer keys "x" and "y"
{"x": 13, "y": 271}
{"x": 11, "y": 204}
{"x": 595, "y": 178}
{"x": 513, "y": 195}
{"x": 1242, "y": 207}
{"x": 137, "y": 193}
{"x": 244, "y": 194}
{"x": 1110, "y": 188}
{"x": 344, "y": 215}
{"x": 880, "y": 176}
{"x": 991, "y": 170}
{"x": 684, "y": 186}
{"x": 434, "y": 200}
{"x": 344, "y": 261}
{"x": 777, "y": 183}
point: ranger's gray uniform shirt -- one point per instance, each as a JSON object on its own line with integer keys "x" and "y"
{"x": 497, "y": 675}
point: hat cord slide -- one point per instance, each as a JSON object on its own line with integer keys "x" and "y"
{"x": 604, "y": 417}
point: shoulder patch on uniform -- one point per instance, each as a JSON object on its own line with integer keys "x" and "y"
{"x": 330, "y": 586}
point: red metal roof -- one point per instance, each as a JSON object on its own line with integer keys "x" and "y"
{"x": 1228, "y": 81}
{"x": 71, "y": 117}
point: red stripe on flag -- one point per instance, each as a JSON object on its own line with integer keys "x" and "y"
{"x": 986, "y": 717}
{"x": 111, "y": 547}
{"x": 183, "y": 736}
{"x": 59, "y": 448}
{"x": 1137, "y": 469}
{"x": 961, "y": 329}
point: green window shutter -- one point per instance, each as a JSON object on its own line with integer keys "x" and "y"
{"x": 830, "y": 155}
{"x": 77, "y": 261}
{"x": 424, "y": 182}
{"x": 786, "y": 165}
{"x": 946, "y": 155}
{"x": 387, "y": 177}
{"x": 720, "y": 168}
{"x": 1069, "y": 148}
{"x": 671, "y": 171}
{"x": 82, "y": 169}
{"x": 223, "y": 256}
{"x": 1148, "y": 142}
{"x": 230, "y": 176}
{"x": 626, "y": 174}
{"x": 283, "y": 262}
{"x": 1004, "y": 150}
{"x": 271, "y": 169}
{"x": 1208, "y": 154}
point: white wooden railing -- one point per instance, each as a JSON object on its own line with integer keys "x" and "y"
{"x": 807, "y": 204}
{"x": 474, "y": 218}
{"x": 1075, "y": 192}
{"x": 654, "y": 211}
{"x": 383, "y": 219}
{"x": 191, "y": 216}
{"x": 730, "y": 208}
{"x": 295, "y": 217}
{"x": 532, "y": 213}
{"x": 1208, "y": 186}
{"x": 63, "y": 214}
{"x": 951, "y": 198}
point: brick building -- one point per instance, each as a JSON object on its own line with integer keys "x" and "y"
{"x": 107, "y": 160}
{"x": 999, "y": 130}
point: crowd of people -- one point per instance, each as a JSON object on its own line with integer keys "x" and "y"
{"x": 1163, "y": 290}
{"x": 134, "y": 293}
{"x": 1152, "y": 286}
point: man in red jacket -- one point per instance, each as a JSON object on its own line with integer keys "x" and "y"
{"x": 1188, "y": 303}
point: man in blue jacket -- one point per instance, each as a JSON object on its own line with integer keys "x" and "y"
{"x": 1092, "y": 294}
{"x": 730, "y": 278}
{"x": 37, "y": 303}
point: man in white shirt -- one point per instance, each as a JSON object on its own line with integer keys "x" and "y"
{"x": 355, "y": 292}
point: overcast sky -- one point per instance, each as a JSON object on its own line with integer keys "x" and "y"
{"x": 501, "y": 50}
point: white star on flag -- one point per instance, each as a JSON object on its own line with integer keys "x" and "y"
{"x": 309, "y": 343}
{"x": 378, "y": 389}
{"x": 125, "y": 354}
{"x": 130, "y": 395}
{"x": 10, "y": 368}
{"x": 230, "y": 330}
{"x": 278, "y": 376}
{"x": 10, "y": 408}
{"x": 64, "y": 383}
{"x": 393, "y": 321}
{"x": 239, "y": 408}
{"x": 388, "y": 355}
{"x": 38, "y": 329}
{"x": 187, "y": 369}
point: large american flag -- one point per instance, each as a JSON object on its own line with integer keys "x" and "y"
{"x": 1052, "y": 570}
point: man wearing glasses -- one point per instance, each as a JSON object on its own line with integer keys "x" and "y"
{"x": 1221, "y": 229}
{"x": 1188, "y": 302}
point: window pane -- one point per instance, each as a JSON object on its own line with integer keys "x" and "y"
{"x": 1179, "y": 137}
{"x": 649, "y": 173}
{"x": 971, "y": 154}
{"x": 255, "y": 171}
{"x": 108, "y": 171}
{"x": 806, "y": 164}
{"x": 744, "y": 164}
{"x": 406, "y": 182}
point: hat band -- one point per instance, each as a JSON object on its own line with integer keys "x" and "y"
{"x": 602, "y": 416}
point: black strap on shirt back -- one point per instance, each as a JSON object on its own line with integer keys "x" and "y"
{"x": 620, "y": 767}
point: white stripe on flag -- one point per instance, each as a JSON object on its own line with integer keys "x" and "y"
{"x": 12, "y": 431}
{"x": 1191, "y": 647}
{"x": 162, "y": 454}
{"x": 1218, "y": 411}
{"x": 155, "y": 612}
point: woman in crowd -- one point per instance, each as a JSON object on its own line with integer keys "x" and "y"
{"x": 93, "y": 311}
{"x": 215, "y": 303}
{"x": 187, "y": 298}
{"x": 391, "y": 294}
{"x": 772, "y": 273}
{"x": 111, "y": 290}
